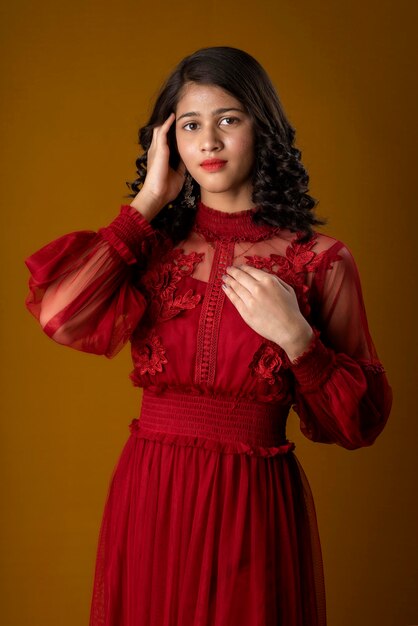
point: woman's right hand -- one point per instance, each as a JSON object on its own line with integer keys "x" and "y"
{"x": 162, "y": 184}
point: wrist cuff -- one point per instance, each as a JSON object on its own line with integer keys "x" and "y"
{"x": 130, "y": 234}
{"x": 314, "y": 366}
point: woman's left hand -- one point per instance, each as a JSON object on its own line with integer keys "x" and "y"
{"x": 269, "y": 306}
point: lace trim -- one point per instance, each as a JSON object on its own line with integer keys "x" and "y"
{"x": 210, "y": 317}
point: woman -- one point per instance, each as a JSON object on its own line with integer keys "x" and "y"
{"x": 236, "y": 309}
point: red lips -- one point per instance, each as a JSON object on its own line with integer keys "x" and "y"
{"x": 213, "y": 165}
{"x": 212, "y": 161}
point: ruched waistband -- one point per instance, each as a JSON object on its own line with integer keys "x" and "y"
{"x": 223, "y": 424}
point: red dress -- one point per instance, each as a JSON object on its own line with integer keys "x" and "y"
{"x": 209, "y": 519}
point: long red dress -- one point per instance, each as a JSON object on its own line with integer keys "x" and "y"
{"x": 209, "y": 519}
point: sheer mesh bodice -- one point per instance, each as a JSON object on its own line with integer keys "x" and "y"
{"x": 95, "y": 291}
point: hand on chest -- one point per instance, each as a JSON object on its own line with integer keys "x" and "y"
{"x": 190, "y": 320}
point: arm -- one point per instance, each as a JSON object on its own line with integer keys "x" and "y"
{"x": 342, "y": 394}
{"x": 83, "y": 287}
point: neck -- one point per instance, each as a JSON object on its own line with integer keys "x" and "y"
{"x": 228, "y": 202}
{"x": 215, "y": 224}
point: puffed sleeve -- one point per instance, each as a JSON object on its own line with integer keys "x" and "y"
{"x": 84, "y": 288}
{"x": 342, "y": 394}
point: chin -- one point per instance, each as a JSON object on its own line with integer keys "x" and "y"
{"x": 216, "y": 186}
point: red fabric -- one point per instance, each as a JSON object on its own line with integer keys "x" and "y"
{"x": 209, "y": 519}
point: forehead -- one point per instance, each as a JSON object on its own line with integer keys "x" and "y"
{"x": 203, "y": 97}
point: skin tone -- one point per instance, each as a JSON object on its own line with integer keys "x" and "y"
{"x": 266, "y": 302}
{"x": 203, "y": 133}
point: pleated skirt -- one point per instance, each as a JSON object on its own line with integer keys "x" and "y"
{"x": 209, "y": 520}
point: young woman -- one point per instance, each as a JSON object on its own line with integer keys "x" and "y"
{"x": 236, "y": 310}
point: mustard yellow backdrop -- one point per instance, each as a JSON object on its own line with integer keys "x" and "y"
{"x": 78, "y": 79}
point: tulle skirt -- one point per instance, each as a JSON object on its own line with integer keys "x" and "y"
{"x": 209, "y": 521}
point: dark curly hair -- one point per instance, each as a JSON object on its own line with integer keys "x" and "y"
{"x": 279, "y": 179}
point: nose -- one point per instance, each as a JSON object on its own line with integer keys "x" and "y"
{"x": 209, "y": 139}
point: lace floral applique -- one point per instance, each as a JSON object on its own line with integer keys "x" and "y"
{"x": 267, "y": 366}
{"x": 292, "y": 268}
{"x": 268, "y": 361}
{"x": 161, "y": 284}
{"x": 149, "y": 355}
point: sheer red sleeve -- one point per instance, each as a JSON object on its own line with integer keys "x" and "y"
{"x": 83, "y": 287}
{"x": 342, "y": 394}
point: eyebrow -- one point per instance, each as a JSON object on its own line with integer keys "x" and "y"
{"x": 215, "y": 112}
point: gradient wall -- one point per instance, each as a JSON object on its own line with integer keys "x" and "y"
{"x": 78, "y": 79}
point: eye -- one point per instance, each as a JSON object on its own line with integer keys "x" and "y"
{"x": 188, "y": 124}
{"x": 235, "y": 119}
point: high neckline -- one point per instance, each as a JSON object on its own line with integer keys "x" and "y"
{"x": 214, "y": 224}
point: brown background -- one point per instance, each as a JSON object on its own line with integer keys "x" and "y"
{"x": 78, "y": 79}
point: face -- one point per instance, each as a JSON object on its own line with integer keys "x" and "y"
{"x": 203, "y": 132}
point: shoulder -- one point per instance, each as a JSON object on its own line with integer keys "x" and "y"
{"x": 322, "y": 242}
{"x": 319, "y": 253}
{"x": 335, "y": 249}
{"x": 319, "y": 243}
{"x": 333, "y": 258}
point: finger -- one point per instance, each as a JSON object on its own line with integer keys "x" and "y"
{"x": 258, "y": 274}
{"x": 243, "y": 291}
{"x": 245, "y": 279}
{"x": 165, "y": 126}
{"x": 235, "y": 299}
{"x": 154, "y": 135}
{"x": 255, "y": 272}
